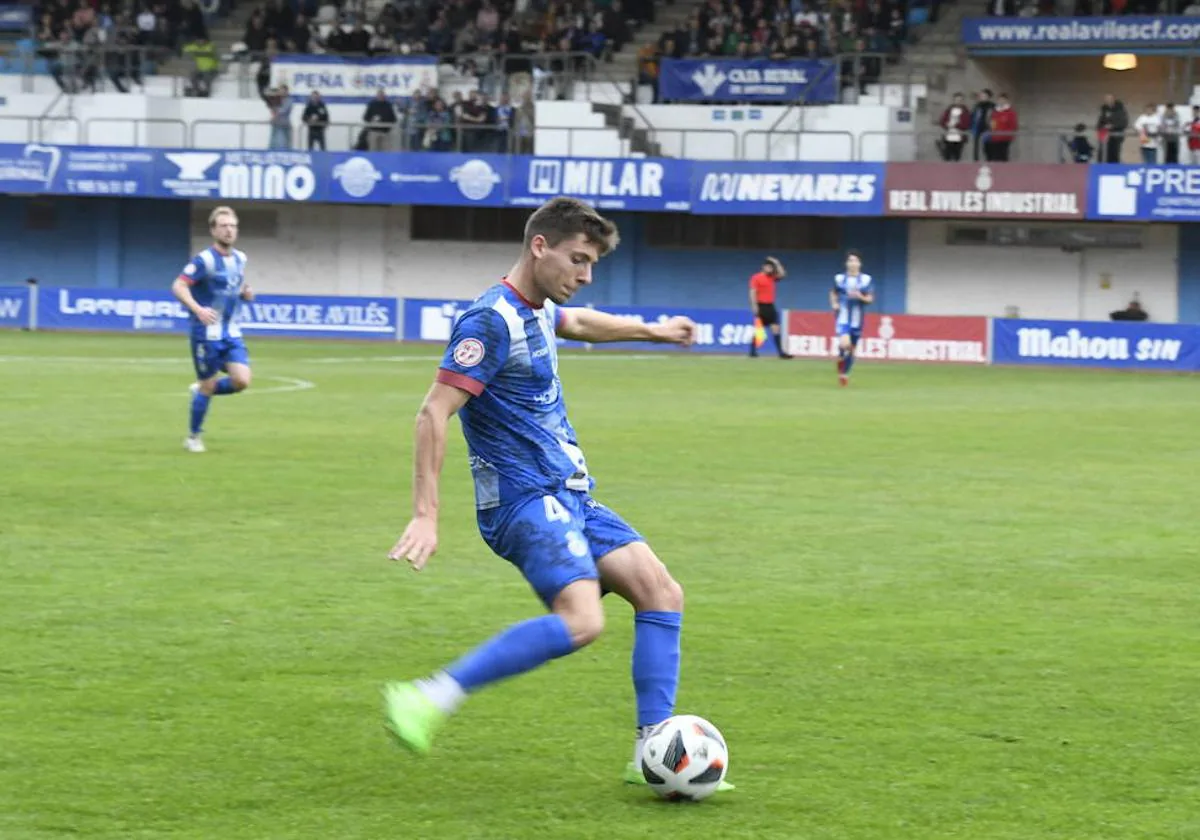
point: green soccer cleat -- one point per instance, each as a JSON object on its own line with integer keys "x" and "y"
{"x": 633, "y": 776}
{"x": 412, "y": 718}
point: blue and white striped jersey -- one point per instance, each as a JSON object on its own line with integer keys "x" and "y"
{"x": 503, "y": 351}
{"x": 216, "y": 280}
{"x": 851, "y": 311}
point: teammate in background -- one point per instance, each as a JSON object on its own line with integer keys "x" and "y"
{"x": 762, "y": 302}
{"x": 852, "y": 292}
{"x": 211, "y": 286}
{"x": 532, "y": 487}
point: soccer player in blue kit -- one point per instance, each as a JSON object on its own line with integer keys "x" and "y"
{"x": 532, "y": 486}
{"x": 212, "y": 286}
{"x": 852, "y": 292}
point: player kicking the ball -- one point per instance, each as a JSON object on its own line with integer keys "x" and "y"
{"x": 532, "y": 486}
{"x": 211, "y": 286}
{"x": 852, "y": 292}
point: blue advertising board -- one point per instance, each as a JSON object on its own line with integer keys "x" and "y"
{"x": 1081, "y": 34}
{"x": 717, "y": 330}
{"x": 14, "y": 303}
{"x": 1144, "y": 193}
{"x": 415, "y": 178}
{"x": 747, "y": 80}
{"x": 1117, "y": 344}
{"x": 800, "y": 188}
{"x": 15, "y": 18}
{"x": 153, "y": 310}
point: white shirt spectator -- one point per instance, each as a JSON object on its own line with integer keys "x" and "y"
{"x": 1147, "y": 128}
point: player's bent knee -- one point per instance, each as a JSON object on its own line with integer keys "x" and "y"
{"x": 240, "y": 382}
{"x": 585, "y": 627}
{"x": 579, "y": 607}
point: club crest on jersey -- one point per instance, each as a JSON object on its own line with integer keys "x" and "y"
{"x": 469, "y": 352}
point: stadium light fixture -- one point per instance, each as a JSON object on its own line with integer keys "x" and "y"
{"x": 1120, "y": 61}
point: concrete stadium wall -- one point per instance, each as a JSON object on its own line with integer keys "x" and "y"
{"x": 1041, "y": 282}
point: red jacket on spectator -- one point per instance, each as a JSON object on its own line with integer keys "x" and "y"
{"x": 1194, "y": 135}
{"x": 960, "y": 121}
{"x": 1004, "y": 124}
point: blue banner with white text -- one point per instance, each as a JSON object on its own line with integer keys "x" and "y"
{"x": 1144, "y": 193}
{"x": 15, "y": 18}
{"x": 800, "y": 188}
{"x": 1116, "y": 344}
{"x": 345, "y": 177}
{"x": 152, "y": 310}
{"x": 352, "y": 79}
{"x": 14, "y": 306}
{"x": 1079, "y": 34}
{"x": 747, "y": 80}
{"x": 717, "y": 330}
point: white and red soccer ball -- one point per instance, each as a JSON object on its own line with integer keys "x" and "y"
{"x": 685, "y": 757}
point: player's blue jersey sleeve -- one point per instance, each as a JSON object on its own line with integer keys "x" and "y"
{"x": 477, "y": 351}
{"x": 195, "y": 271}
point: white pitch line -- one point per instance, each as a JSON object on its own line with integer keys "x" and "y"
{"x": 292, "y": 384}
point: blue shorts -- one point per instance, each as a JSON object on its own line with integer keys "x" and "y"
{"x": 855, "y": 333}
{"x": 211, "y": 357}
{"x": 555, "y": 539}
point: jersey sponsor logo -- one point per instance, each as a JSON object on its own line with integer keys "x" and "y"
{"x": 469, "y": 352}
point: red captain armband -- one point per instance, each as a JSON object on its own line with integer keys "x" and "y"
{"x": 186, "y": 279}
{"x": 460, "y": 381}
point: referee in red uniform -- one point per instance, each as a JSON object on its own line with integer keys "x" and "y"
{"x": 762, "y": 302}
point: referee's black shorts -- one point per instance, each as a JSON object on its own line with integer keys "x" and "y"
{"x": 768, "y": 314}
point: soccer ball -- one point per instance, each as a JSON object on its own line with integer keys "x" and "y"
{"x": 685, "y": 757}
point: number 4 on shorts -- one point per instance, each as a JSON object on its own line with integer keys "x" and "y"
{"x": 555, "y": 512}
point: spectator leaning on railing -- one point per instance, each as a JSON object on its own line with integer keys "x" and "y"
{"x": 1146, "y": 126}
{"x": 955, "y": 123}
{"x": 1111, "y": 128}
{"x": 1003, "y": 130}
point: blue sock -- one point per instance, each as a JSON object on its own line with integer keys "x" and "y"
{"x": 224, "y": 386}
{"x": 656, "y": 664}
{"x": 849, "y": 363}
{"x": 199, "y": 409}
{"x": 516, "y": 650}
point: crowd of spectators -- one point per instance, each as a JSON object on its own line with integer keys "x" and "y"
{"x": 986, "y": 130}
{"x": 490, "y": 28}
{"x": 87, "y": 40}
{"x": 863, "y": 32}
{"x": 1090, "y": 8}
{"x": 475, "y": 123}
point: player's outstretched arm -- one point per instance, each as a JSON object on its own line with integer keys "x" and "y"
{"x": 596, "y": 327}
{"x": 419, "y": 540}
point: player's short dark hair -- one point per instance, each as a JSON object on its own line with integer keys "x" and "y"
{"x": 561, "y": 218}
{"x": 855, "y": 254}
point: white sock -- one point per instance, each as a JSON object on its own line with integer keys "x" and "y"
{"x": 639, "y": 741}
{"x": 444, "y": 691}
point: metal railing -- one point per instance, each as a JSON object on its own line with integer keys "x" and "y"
{"x": 1034, "y": 144}
{"x": 798, "y": 144}
{"x": 372, "y": 137}
{"x": 147, "y": 131}
{"x": 61, "y": 130}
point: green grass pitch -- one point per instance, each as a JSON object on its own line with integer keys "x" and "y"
{"x": 943, "y": 603}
